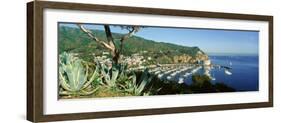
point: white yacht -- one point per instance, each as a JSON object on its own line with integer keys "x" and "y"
{"x": 227, "y": 72}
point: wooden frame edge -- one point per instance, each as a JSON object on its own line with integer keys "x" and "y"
{"x": 271, "y": 66}
{"x": 142, "y": 112}
{"x": 35, "y": 61}
{"x": 30, "y": 88}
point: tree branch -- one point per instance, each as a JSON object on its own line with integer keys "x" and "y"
{"x": 131, "y": 30}
{"x": 109, "y": 36}
{"x": 93, "y": 37}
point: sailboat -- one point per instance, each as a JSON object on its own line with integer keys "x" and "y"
{"x": 226, "y": 71}
{"x": 181, "y": 80}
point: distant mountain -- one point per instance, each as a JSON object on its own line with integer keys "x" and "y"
{"x": 74, "y": 40}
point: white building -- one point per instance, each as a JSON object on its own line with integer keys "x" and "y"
{"x": 207, "y": 62}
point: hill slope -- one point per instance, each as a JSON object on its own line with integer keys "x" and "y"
{"x": 74, "y": 40}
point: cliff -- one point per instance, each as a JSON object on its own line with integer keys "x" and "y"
{"x": 185, "y": 58}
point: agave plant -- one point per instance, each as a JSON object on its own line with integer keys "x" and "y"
{"x": 135, "y": 88}
{"x": 109, "y": 75}
{"x": 122, "y": 68}
{"x": 74, "y": 76}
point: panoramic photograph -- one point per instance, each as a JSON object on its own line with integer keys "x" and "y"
{"x": 103, "y": 60}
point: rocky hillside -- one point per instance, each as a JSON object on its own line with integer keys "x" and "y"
{"x": 185, "y": 58}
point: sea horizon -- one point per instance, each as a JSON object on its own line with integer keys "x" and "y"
{"x": 232, "y": 54}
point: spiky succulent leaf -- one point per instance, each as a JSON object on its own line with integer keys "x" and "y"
{"x": 92, "y": 78}
{"x": 73, "y": 76}
{"x": 114, "y": 76}
{"x": 63, "y": 81}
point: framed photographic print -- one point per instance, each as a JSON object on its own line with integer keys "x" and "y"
{"x": 97, "y": 61}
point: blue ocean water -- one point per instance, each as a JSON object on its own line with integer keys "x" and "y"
{"x": 244, "y": 69}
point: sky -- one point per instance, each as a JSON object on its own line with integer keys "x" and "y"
{"x": 210, "y": 41}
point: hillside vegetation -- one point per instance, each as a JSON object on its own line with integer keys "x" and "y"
{"x": 74, "y": 40}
